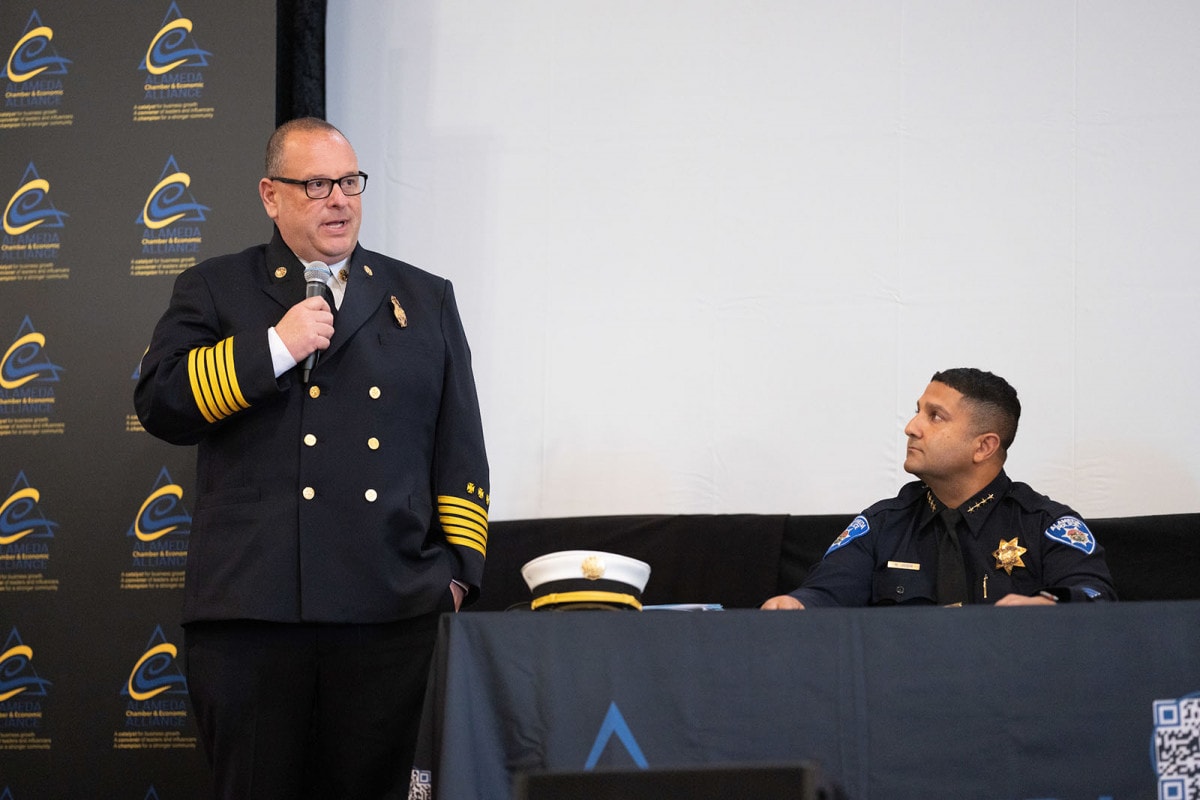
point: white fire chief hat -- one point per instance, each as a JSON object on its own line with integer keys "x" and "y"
{"x": 586, "y": 578}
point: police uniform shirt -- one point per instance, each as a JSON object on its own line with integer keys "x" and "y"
{"x": 1014, "y": 540}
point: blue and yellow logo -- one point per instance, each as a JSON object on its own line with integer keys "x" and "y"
{"x": 34, "y": 56}
{"x": 28, "y": 208}
{"x": 173, "y": 46}
{"x": 174, "y": 61}
{"x": 170, "y": 202}
{"x": 21, "y": 517}
{"x": 162, "y": 513}
{"x": 155, "y": 672}
{"x": 159, "y": 539}
{"x": 23, "y": 364}
{"x": 18, "y": 680}
{"x": 156, "y": 688}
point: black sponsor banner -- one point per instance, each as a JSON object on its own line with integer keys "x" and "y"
{"x": 1074, "y": 702}
{"x": 131, "y": 139}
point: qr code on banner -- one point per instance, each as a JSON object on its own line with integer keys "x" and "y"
{"x": 420, "y": 786}
{"x": 1177, "y": 748}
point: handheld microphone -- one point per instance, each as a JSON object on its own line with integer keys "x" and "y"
{"x": 316, "y": 276}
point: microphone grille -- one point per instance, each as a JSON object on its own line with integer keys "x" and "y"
{"x": 317, "y": 272}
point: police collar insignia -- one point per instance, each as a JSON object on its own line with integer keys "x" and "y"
{"x": 982, "y": 501}
{"x": 1008, "y": 555}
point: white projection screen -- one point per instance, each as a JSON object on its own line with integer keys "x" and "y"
{"x": 709, "y": 252}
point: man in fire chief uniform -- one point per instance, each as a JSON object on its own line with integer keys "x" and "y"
{"x": 340, "y": 507}
{"x": 965, "y": 532}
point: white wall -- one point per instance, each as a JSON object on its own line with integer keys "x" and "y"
{"x": 709, "y": 252}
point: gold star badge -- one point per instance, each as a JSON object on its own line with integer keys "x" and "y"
{"x": 1008, "y": 555}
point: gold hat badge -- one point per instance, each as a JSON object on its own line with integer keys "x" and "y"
{"x": 593, "y": 568}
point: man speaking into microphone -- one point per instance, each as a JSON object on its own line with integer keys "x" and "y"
{"x": 342, "y": 485}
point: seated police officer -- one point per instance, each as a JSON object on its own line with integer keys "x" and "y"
{"x": 964, "y": 532}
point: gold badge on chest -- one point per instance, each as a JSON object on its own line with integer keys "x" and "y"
{"x": 1008, "y": 555}
{"x": 398, "y": 313}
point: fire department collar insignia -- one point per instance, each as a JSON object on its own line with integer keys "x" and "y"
{"x": 1072, "y": 531}
{"x": 398, "y": 313}
{"x": 1008, "y": 555}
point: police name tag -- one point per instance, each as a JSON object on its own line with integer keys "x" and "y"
{"x": 903, "y": 565}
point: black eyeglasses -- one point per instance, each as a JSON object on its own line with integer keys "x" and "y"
{"x": 320, "y": 188}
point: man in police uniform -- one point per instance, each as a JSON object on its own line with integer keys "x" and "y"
{"x": 338, "y": 511}
{"x": 965, "y": 532}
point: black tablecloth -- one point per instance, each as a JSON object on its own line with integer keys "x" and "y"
{"x": 1065, "y": 702}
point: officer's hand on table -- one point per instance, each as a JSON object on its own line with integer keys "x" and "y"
{"x": 784, "y": 602}
{"x": 1023, "y": 600}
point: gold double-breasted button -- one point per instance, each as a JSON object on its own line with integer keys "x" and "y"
{"x": 309, "y": 439}
{"x": 373, "y": 443}
{"x": 314, "y": 392}
{"x": 374, "y": 392}
{"x": 309, "y": 493}
{"x": 371, "y": 495}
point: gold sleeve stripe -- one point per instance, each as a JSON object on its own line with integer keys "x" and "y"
{"x": 451, "y": 517}
{"x": 465, "y": 523}
{"x": 197, "y": 388}
{"x": 231, "y": 380}
{"x": 449, "y": 504}
{"x": 212, "y": 371}
{"x": 456, "y": 524}
{"x": 214, "y": 381}
{"x": 466, "y": 542}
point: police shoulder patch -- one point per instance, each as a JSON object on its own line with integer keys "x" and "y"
{"x": 857, "y": 527}
{"x": 1072, "y": 531}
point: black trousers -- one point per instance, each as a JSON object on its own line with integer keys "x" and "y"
{"x": 290, "y": 711}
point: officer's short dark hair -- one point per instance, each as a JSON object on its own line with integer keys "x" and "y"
{"x": 995, "y": 402}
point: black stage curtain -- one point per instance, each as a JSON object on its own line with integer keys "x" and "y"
{"x": 731, "y": 559}
{"x": 299, "y": 59}
{"x": 739, "y": 560}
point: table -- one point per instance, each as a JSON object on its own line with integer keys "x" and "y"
{"x": 1072, "y": 701}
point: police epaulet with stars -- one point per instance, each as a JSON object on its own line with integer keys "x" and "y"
{"x": 464, "y": 521}
{"x": 214, "y": 381}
